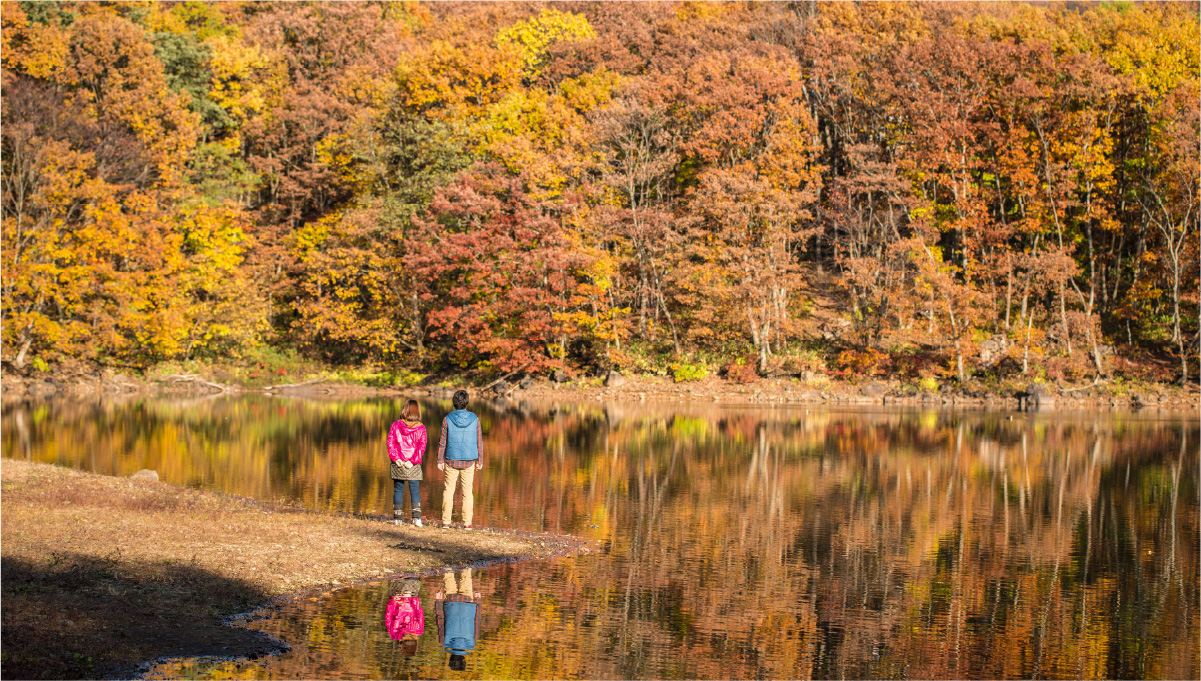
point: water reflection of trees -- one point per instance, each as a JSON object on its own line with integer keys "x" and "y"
{"x": 917, "y": 544}
{"x": 744, "y": 543}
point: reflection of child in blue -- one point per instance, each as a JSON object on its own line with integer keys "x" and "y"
{"x": 458, "y": 618}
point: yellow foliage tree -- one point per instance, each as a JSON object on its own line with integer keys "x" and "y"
{"x": 531, "y": 38}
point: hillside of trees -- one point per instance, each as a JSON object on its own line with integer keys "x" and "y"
{"x": 959, "y": 190}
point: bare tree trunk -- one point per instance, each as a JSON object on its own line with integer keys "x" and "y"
{"x": 1176, "y": 322}
{"x": 1063, "y": 319}
{"x": 19, "y": 361}
{"x": 959, "y": 362}
{"x": 763, "y": 358}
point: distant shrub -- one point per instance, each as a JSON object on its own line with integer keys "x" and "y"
{"x": 359, "y": 376}
{"x": 869, "y": 362}
{"x": 688, "y": 372}
{"x": 381, "y": 379}
{"x": 404, "y": 379}
{"x": 915, "y": 361}
{"x": 272, "y": 359}
{"x": 453, "y": 381}
{"x": 741, "y": 370}
{"x": 796, "y": 360}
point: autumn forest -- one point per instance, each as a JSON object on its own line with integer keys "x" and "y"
{"x": 1001, "y": 189}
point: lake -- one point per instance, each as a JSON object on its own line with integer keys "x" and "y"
{"x": 795, "y": 542}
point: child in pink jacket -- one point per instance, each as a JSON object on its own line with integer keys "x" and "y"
{"x": 406, "y": 446}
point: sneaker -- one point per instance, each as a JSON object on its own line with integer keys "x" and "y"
{"x": 417, "y": 522}
{"x": 446, "y": 526}
{"x": 466, "y": 527}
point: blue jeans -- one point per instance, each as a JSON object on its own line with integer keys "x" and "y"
{"x": 398, "y": 495}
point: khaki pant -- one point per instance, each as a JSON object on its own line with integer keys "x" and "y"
{"x": 464, "y": 587}
{"x": 453, "y": 476}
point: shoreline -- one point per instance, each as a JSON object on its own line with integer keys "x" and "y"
{"x": 807, "y": 390}
{"x": 106, "y": 575}
{"x": 870, "y": 392}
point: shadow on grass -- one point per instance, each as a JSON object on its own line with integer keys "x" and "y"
{"x": 80, "y": 616}
{"x": 459, "y": 548}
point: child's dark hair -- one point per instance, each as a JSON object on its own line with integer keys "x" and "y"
{"x": 460, "y": 399}
{"x": 458, "y": 662}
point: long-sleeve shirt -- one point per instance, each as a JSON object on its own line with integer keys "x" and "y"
{"x": 479, "y": 443}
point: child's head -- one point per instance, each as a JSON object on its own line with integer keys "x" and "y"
{"x": 460, "y": 399}
{"x": 410, "y": 587}
{"x": 411, "y": 412}
{"x": 458, "y": 662}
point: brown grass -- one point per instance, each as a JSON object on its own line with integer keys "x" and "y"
{"x": 102, "y": 573}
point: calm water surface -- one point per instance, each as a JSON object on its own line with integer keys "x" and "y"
{"x": 736, "y": 543}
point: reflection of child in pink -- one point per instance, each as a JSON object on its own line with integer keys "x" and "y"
{"x": 404, "y": 617}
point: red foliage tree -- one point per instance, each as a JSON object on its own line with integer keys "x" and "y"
{"x": 491, "y": 269}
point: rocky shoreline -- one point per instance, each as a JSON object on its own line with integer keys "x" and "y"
{"x": 111, "y": 384}
{"x": 821, "y": 390}
{"x": 809, "y": 389}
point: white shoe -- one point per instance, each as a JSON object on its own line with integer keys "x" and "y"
{"x": 417, "y": 522}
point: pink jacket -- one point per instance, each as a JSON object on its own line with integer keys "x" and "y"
{"x": 404, "y": 616}
{"x": 406, "y": 443}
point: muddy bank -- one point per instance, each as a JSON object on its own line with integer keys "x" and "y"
{"x": 104, "y": 573}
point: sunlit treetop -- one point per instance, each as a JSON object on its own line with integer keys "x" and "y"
{"x": 532, "y": 37}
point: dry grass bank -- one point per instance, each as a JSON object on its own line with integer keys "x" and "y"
{"x": 102, "y": 573}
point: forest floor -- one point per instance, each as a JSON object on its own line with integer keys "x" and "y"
{"x": 103, "y": 573}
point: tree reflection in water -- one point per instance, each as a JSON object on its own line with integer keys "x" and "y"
{"x": 736, "y": 542}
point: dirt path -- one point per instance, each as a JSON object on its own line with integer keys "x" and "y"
{"x": 103, "y": 573}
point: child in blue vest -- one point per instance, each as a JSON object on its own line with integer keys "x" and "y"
{"x": 458, "y": 615}
{"x": 460, "y": 455}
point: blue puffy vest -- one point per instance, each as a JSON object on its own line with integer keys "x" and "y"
{"x": 461, "y": 444}
{"x": 460, "y": 626}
